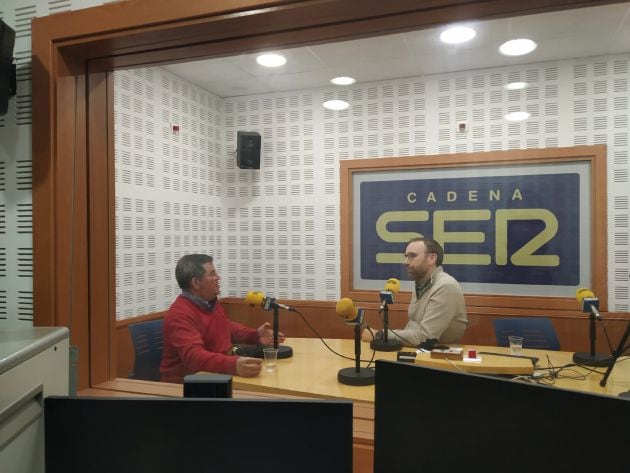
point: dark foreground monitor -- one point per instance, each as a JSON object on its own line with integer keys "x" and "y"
{"x": 429, "y": 420}
{"x": 106, "y": 435}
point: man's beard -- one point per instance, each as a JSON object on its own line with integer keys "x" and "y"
{"x": 419, "y": 274}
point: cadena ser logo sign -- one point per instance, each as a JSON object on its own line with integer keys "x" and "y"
{"x": 512, "y": 228}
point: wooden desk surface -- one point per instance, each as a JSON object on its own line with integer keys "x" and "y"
{"x": 312, "y": 371}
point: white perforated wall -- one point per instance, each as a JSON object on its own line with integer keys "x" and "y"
{"x": 168, "y": 198}
{"x": 279, "y": 229}
{"x": 16, "y": 209}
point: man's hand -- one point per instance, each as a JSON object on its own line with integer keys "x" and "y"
{"x": 248, "y": 367}
{"x": 367, "y": 335}
{"x": 265, "y": 334}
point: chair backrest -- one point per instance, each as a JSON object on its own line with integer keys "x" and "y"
{"x": 147, "y": 341}
{"x": 537, "y": 332}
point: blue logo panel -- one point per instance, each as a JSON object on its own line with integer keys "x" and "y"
{"x": 494, "y": 229}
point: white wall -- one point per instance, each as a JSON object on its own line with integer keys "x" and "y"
{"x": 277, "y": 229}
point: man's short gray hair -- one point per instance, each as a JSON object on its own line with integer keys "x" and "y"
{"x": 190, "y": 267}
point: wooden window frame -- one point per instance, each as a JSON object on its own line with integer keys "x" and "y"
{"x": 72, "y": 53}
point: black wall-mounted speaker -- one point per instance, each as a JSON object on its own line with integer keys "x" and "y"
{"x": 7, "y": 68}
{"x": 208, "y": 385}
{"x": 248, "y": 150}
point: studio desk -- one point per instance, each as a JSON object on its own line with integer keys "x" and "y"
{"x": 312, "y": 373}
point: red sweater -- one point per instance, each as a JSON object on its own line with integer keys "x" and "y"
{"x": 199, "y": 340}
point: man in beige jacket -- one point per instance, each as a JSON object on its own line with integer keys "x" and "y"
{"x": 437, "y": 310}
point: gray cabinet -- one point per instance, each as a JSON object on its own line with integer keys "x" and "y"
{"x": 34, "y": 363}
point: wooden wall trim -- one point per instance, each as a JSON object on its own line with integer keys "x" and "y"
{"x": 101, "y": 266}
{"x": 571, "y": 326}
{"x": 142, "y": 32}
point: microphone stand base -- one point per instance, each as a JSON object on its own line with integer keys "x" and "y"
{"x": 350, "y": 376}
{"x": 256, "y": 351}
{"x": 382, "y": 345}
{"x": 284, "y": 352}
{"x": 586, "y": 359}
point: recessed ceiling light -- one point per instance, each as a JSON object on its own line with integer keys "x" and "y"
{"x": 336, "y": 104}
{"x": 271, "y": 60}
{"x": 517, "y": 47}
{"x": 517, "y": 116}
{"x": 515, "y": 85}
{"x": 457, "y": 35}
{"x": 343, "y": 80}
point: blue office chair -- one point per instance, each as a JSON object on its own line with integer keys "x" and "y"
{"x": 147, "y": 341}
{"x": 537, "y": 332}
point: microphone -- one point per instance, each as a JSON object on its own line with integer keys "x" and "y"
{"x": 257, "y": 298}
{"x": 356, "y": 376}
{"x": 590, "y": 305}
{"x": 346, "y": 310}
{"x": 392, "y": 286}
{"x": 254, "y": 298}
{"x": 589, "y": 302}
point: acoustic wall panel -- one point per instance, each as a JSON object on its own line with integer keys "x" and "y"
{"x": 167, "y": 141}
{"x": 273, "y": 243}
{"x": 16, "y": 240}
{"x": 279, "y": 226}
{"x": 421, "y": 116}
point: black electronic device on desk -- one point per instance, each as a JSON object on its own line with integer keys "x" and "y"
{"x": 406, "y": 356}
{"x": 207, "y": 385}
{"x": 432, "y": 344}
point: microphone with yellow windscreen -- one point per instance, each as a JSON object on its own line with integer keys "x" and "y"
{"x": 583, "y": 292}
{"x": 258, "y": 299}
{"x": 590, "y": 304}
{"x": 255, "y": 298}
{"x": 346, "y": 310}
{"x": 392, "y": 285}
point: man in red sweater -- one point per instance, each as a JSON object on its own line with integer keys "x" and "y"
{"x": 198, "y": 335}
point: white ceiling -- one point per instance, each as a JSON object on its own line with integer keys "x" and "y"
{"x": 560, "y": 35}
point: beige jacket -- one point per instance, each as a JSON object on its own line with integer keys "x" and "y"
{"x": 440, "y": 313}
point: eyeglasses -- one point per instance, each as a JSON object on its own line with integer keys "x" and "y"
{"x": 410, "y": 256}
{"x": 407, "y": 257}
